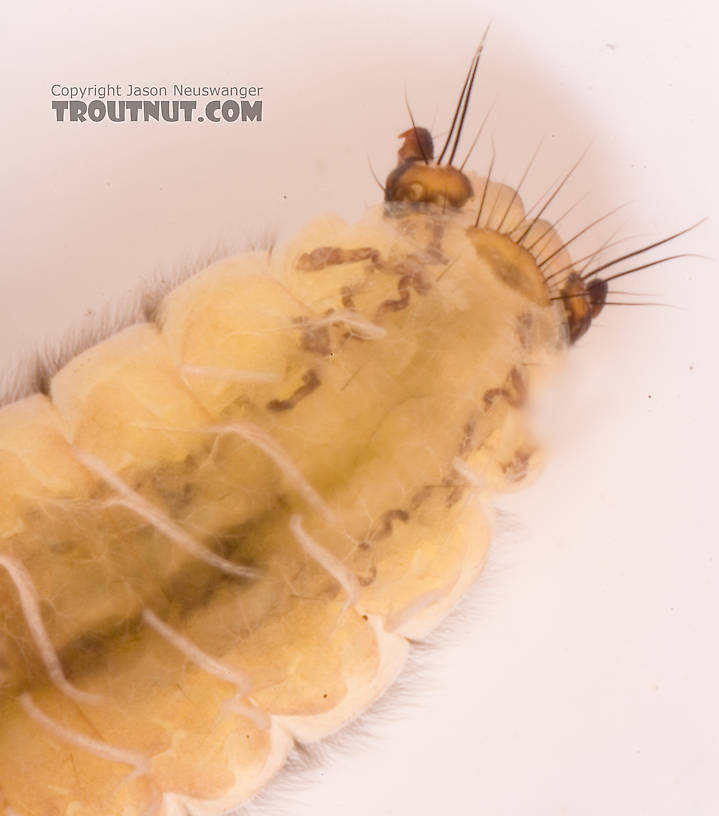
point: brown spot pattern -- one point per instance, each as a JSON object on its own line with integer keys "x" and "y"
{"x": 514, "y": 391}
{"x": 310, "y": 380}
{"x": 334, "y": 256}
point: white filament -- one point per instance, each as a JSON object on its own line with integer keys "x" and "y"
{"x": 133, "y": 501}
{"x": 235, "y": 677}
{"x": 31, "y": 610}
{"x": 326, "y": 560}
{"x": 256, "y": 436}
{"x": 359, "y": 324}
{"x": 260, "y": 719}
{"x": 101, "y": 749}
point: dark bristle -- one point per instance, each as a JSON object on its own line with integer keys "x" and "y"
{"x": 414, "y": 127}
{"x": 589, "y": 258}
{"x": 460, "y": 127}
{"x": 642, "y": 249}
{"x": 456, "y": 112}
{"x": 494, "y": 205}
{"x": 486, "y": 187}
{"x": 627, "y": 303}
{"x": 647, "y": 265}
{"x": 575, "y": 236}
{"x": 476, "y": 138}
{"x": 550, "y": 199}
{"x": 463, "y": 102}
{"x": 519, "y": 186}
{"x": 554, "y": 224}
{"x": 374, "y": 175}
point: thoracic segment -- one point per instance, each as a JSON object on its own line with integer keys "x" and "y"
{"x": 220, "y": 506}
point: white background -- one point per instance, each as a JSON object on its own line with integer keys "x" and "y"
{"x": 581, "y": 677}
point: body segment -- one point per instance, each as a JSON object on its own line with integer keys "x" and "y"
{"x": 228, "y": 521}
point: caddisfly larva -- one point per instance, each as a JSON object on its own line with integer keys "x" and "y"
{"x": 152, "y": 440}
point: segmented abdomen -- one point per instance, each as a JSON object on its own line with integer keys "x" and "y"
{"x": 218, "y": 531}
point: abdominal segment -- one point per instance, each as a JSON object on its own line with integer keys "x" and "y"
{"x": 220, "y": 530}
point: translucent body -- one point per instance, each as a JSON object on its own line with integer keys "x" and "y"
{"x": 218, "y": 532}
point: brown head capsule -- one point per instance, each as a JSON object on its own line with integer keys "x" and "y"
{"x": 584, "y": 296}
{"x": 417, "y": 177}
{"x": 414, "y": 179}
{"x": 418, "y": 144}
{"x": 582, "y": 302}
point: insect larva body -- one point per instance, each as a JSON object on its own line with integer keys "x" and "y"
{"x": 397, "y": 523}
{"x": 268, "y": 488}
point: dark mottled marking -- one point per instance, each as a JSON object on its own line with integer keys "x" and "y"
{"x": 410, "y": 272}
{"x": 514, "y": 391}
{"x": 456, "y": 486}
{"x": 333, "y": 256}
{"x": 435, "y": 244}
{"x": 387, "y": 518}
{"x": 491, "y": 396}
{"x": 310, "y": 380}
{"x": 524, "y": 329}
{"x": 316, "y": 340}
{"x": 517, "y": 467}
{"x": 457, "y": 490}
{"x": 467, "y": 433}
{"x": 366, "y": 580}
{"x": 397, "y": 304}
{"x": 421, "y": 496}
{"x": 348, "y": 297}
{"x": 413, "y": 268}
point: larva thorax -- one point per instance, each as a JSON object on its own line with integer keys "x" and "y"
{"x": 418, "y": 180}
{"x": 220, "y": 529}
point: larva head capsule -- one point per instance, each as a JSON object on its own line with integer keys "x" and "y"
{"x": 416, "y": 180}
{"x": 582, "y": 303}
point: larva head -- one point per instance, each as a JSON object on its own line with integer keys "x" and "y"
{"x": 416, "y": 180}
{"x": 417, "y": 177}
{"x": 584, "y": 296}
{"x": 582, "y": 302}
{"x": 506, "y": 243}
